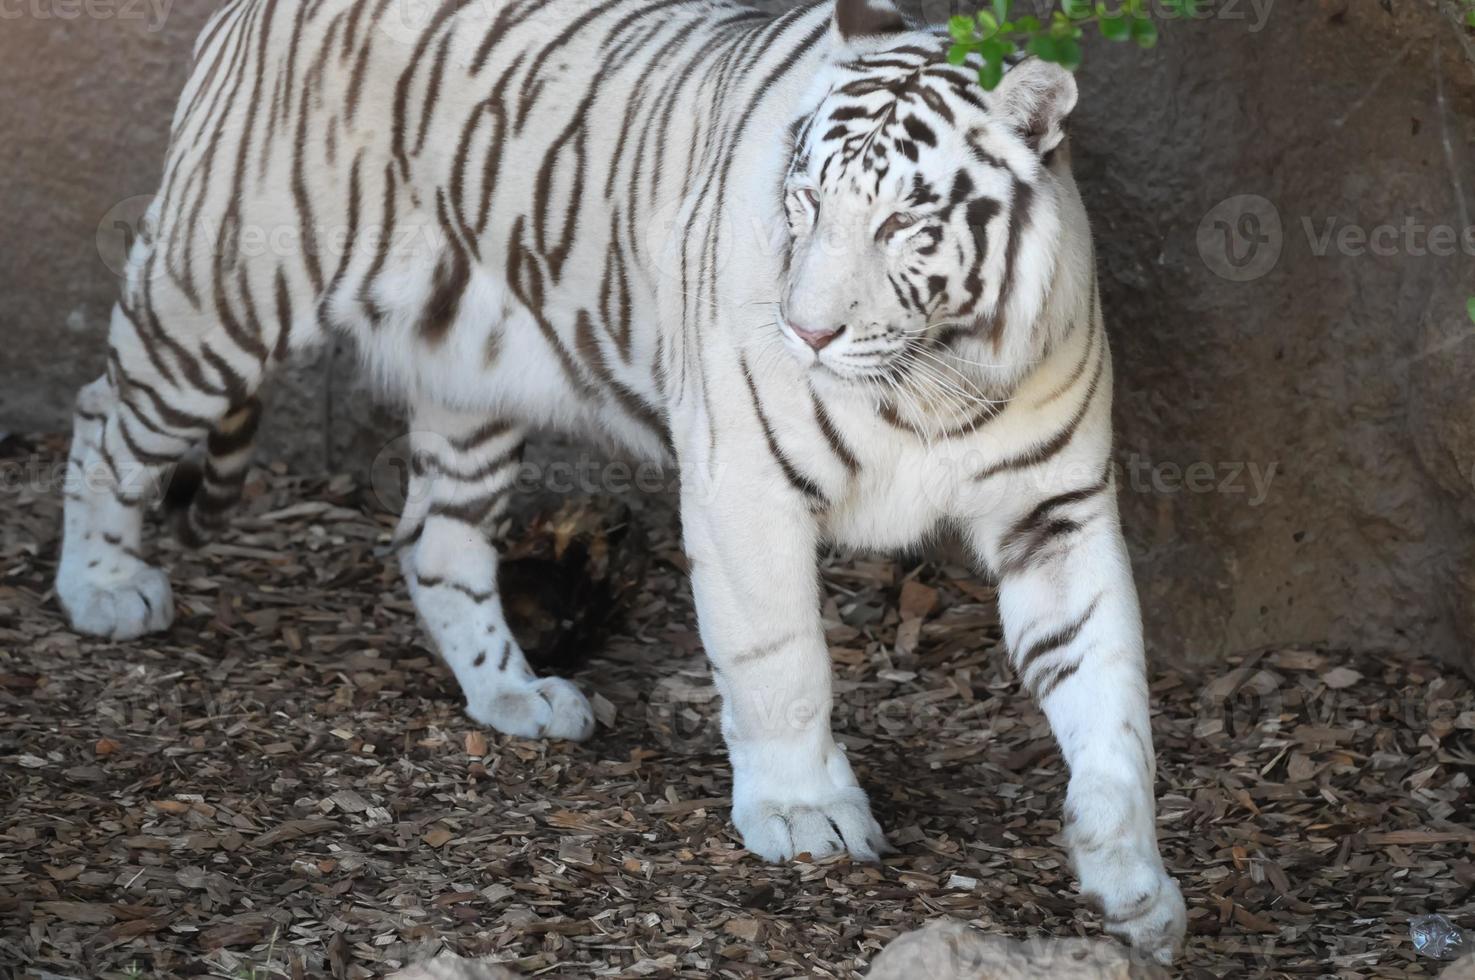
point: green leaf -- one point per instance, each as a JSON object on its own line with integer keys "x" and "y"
{"x": 1470, "y": 17}
{"x": 1115, "y": 28}
{"x": 996, "y": 49}
{"x": 957, "y": 54}
{"x": 961, "y": 27}
{"x": 1470, "y": 307}
{"x": 1044, "y": 47}
{"x": 1069, "y": 50}
{"x": 1076, "y": 9}
{"x": 1027, "y": 25}
{"x": 991, "y": 74}
{"x": 1144, "y": 32}
{"x": 1001, "y": 9}
{"x": 987, "y": 23}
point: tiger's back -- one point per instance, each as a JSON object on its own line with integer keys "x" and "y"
{"x": 475, "y": 198}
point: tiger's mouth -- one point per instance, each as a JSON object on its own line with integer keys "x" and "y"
{"x": 848, "y": 355}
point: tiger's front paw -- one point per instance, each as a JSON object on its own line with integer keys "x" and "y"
{"x": 116, "y": 598}
{"x": 778, "y": 830}
{"x": 1110, "y": 836}
{"x": 1145, "y": 911}
{"x": 550, "y": 707}
{"x": 783, "y": 811}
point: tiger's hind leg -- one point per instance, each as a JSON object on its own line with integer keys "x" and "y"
{"x": 462, "y": 472}
{"x": 130, "y": 427}
{"x": 105, "y": 585}
{"x": 200, "y": 494}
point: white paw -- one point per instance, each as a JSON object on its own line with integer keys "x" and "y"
{"x": 779, "y": 830}
{"x": 548, "y": 708}
{"x": 121, "y": 598}
{"x": 1151, "y": 919}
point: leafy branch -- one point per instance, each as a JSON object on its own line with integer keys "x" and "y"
{"x": 993, "y": 36}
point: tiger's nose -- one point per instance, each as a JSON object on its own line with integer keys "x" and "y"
{"x": 818, "y": 339}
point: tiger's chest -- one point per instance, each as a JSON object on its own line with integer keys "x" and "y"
{"x": 877, "y": 485}
{"x": 893, "y": 503}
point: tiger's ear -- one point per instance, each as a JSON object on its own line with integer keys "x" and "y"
{"x": 867, "y": 18}
{"x": 1035, "y": 98}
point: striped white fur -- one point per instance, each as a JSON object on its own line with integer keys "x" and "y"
{"x": 850, "y": 295}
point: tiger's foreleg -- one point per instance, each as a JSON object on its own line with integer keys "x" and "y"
{"x": 463, "y": 471}
{"x": 751, "y": 546}
{"x": 1074, "y": 632}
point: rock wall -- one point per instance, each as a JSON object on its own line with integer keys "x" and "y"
{"x": 1281, "y": 194}
{"x": 89, "y": 89}
{"x": 1269, "y": 206}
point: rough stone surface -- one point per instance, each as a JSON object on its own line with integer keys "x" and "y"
{"x": 1339, "y": 377}
{"x": 89, "y": 92}
{"x": 950, "y": 950}
{"x": 1346, "y": 371}
{"x": 1462, "y": 969}
{"x": 455, "y": 968}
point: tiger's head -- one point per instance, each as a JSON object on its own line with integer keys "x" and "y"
{"x": 933, "y": 227}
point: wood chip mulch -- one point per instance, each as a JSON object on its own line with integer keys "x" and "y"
{"x": 284, "y": 784}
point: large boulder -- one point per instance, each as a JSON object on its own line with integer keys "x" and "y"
{"x": 950, "y": 950}
{"x": 1462, "y": 969}
{"x": 455, "y": 968}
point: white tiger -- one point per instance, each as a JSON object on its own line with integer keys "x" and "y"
{"x": 850, "y": 294}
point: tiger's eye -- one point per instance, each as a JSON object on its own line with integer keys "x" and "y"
{"x": 809, "y": 197}
{"x": 896, "y": 223}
